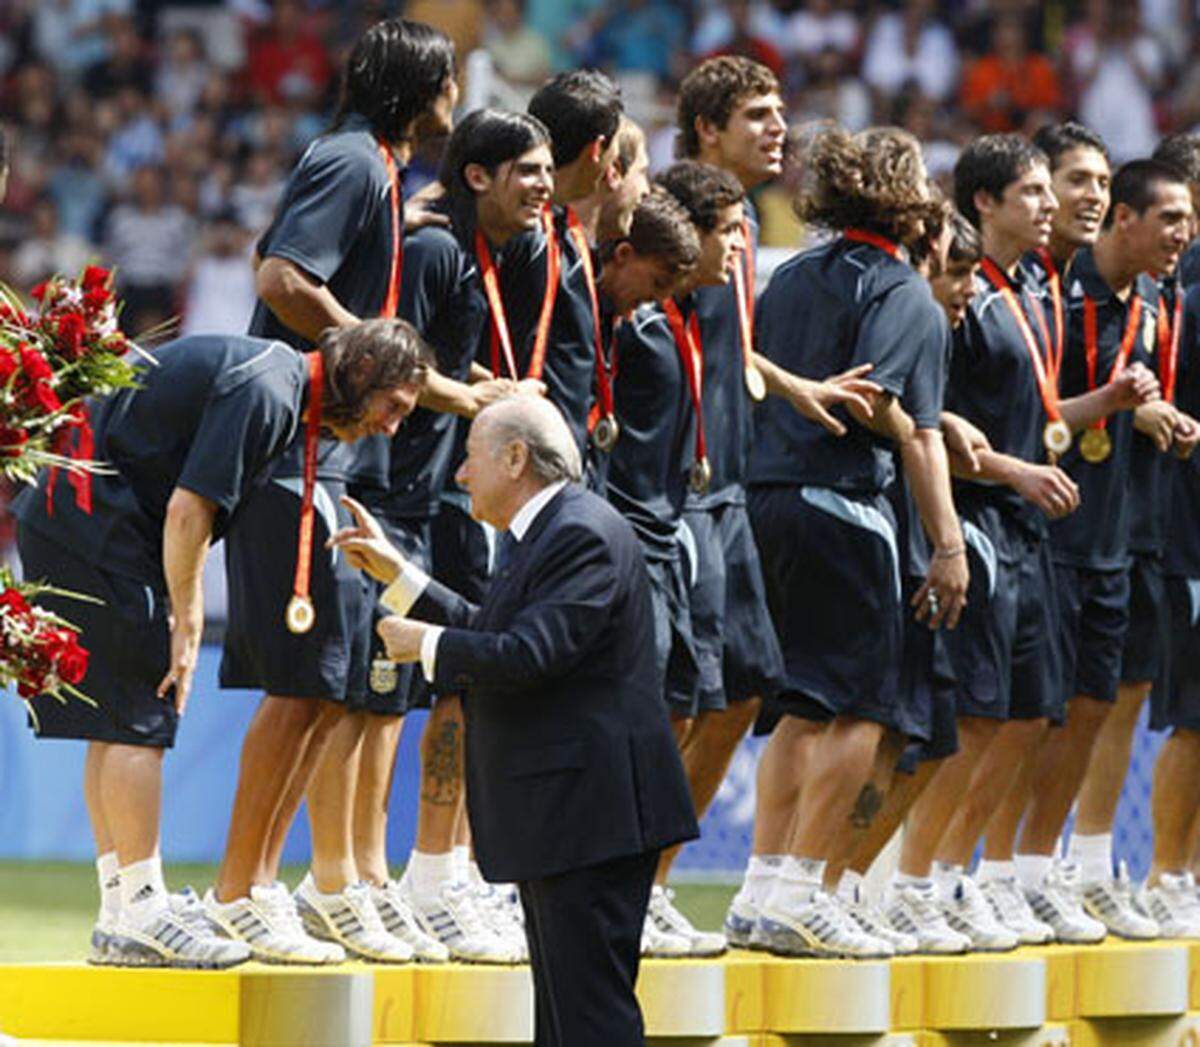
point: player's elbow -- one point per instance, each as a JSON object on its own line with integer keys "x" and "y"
{"x": 278, "y": 282}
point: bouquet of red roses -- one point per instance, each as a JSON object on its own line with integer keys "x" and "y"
{"x": 70, "y": 348}
{"x": 39, "y": 651}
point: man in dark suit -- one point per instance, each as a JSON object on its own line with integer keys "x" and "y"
{"x": 574, "y": 783}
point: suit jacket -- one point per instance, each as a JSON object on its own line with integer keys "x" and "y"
{"x": 570, "y": 760}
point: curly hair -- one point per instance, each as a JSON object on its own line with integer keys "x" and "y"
{"x": 873, "y": 180}
{"x": 713, "y": 90}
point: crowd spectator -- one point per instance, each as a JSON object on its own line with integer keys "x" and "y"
{"x": 220, "y": 296}
{"x": 148, "y": 240}
{"x": 48, "y": 249}
{"x": 1011, "y": 83}
{"x": 911, "y": 46}
{"x": 1118, "y": 73}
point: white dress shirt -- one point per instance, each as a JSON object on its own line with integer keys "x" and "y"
{"x": 408, "y": 586}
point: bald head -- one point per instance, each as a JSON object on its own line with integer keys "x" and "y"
{"x": 536, "y": 423}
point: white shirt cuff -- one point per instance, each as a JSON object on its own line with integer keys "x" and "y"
{"x": 406, "y": 590}
{"x": 429, "y": 644}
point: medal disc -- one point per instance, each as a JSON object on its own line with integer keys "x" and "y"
{"x": 1095, "y": 445}
{"x": 701, "y": 476}
{"x": 756, "y": 385}
{"x": 1057, "y": 437}
{"x": 604, "y": 436}
{"x": 300, "y": 614}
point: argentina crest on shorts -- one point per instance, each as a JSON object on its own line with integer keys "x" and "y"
{"x": 384, "y": 676}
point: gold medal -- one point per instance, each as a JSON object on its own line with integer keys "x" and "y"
{"x": 701, "y": 476}
{"x": 756, "y": 385}
{"x": 1095, "y": 445}
{"x": 384, "y": 676}
{"x": 1057, "y": 437}
{"x": 604, "y": 436}
{"x": 300, "y": 614}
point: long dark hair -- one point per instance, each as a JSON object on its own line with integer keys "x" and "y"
{"x": 488, "y": 137}
{"x": 393, "y": 75}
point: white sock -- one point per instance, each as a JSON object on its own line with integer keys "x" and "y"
{"x": 990, "y": 870}
{"x": 945, "y": 877}
{"x": 110, "y": 885}
{"x": 798, "y": 878}
{"x": 851, "y": 885}
{"x": 474, "y": 877}
{"x": 143, "y": 891}
{"x": 1032, "y": 868}
{"x": 462, "y": 862}
{"x": 902, "y": 880}
{"x": 427, "y": 872}
{"x": 1093, "y": 854}
{"x": 761, "y": 872}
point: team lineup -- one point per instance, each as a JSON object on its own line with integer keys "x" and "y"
{"x": 532, "y": 450}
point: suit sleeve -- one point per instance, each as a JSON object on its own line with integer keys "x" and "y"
{"x": 440, "y": 605}
{"x": 569, "y": 603}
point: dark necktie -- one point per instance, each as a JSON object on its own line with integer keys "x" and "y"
{"x": 506, "y": 548}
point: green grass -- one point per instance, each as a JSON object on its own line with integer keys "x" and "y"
{"x": 47, "y": 908}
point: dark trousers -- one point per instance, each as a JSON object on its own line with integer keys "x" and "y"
{"x": 585, "y": 929}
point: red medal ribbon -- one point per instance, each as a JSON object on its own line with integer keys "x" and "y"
{"x": 501, "y": 339}
{"x": 392, "y": 302}
{"x": 1054, "y": 282}
{"x": 312, "y": 433}
{"x": 603, "y": 374}
{"x": 865, "y": 236}
{"x": 691, "y": 354}
{"x": 541, "y": 339}
{"x": 1168, "y": 344}
{"x": 743, "y": 288}
{"x": 1091, "y": 348}
{"x": 1045, "y": 370}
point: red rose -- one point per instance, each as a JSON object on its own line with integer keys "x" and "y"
{"x": 39, "y": 292}
{"x": 73, "y": 662}
{"x": 40, "y": 395}
{"x": 94, "y": 276}
{"x": 34, "y": 364}
{"x": 12, "y": 602}
{"x": 8, "y": 365}
{"x": 72, "y": 328}
{"x": 12, "y": 441}
{"x": 96, "y": 299}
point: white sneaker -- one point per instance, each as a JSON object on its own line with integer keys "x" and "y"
{"x": 175, "y": 935}
{"x": 102, "y": 933}
{"x": 967, "y": 911}
{"x": 668, "y": 918}
{"x": 1055, "y": 901}
{"x": 665, "y": 945}
{"x": 452, "y": 918}
{"x": 1173, "y": 905}
{"x": 740, "y": 918}
{"x": 1008, "y": 902}
{"x": 1111, "y": 902}
{"x": 392, "y": 906}
{"x": 350, "y": 919}
{"x": 912, "y": 908}
{"x": 870, "y": 918}
{"x": 268, "y": 923}
{"x": 816, "y": 925}
{"x": 500, "y": 906}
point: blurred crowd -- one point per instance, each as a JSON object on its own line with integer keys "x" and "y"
{"x": 157, "y": 136}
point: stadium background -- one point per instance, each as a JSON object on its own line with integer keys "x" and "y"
{"x": 156, "y": 137}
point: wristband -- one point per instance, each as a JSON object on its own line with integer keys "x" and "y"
{"x": 949, "y": 554}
